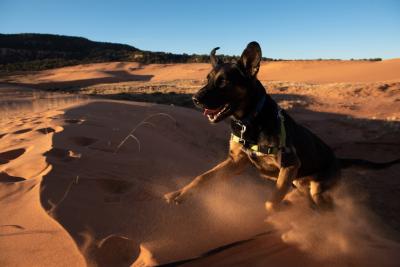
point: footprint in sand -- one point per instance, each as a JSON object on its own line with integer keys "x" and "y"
{"x": 114, "y": 186}
{"x": 2, "y": 135}
{"x": 22, "y": 131}
{"x": 6, "y": 178}
{"x": 62, "y": 154}
{"x": 74, "y": 121}
{"x": 46, "y": 130}
{"x": 83, "y": 141}
{"x": 116, "y": 250}
{"x": 113, "y": 189}
{"x": 7, "y": 156}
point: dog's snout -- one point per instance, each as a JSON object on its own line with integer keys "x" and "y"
{"x": 195, "y": 100}
{"x": 200, "y": 97}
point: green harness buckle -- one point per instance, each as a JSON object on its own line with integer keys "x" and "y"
{"x": 267, "y": 150}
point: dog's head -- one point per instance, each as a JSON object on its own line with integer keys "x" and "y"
{"x": 229, "y": 86}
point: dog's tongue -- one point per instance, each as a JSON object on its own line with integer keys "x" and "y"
{"x": 210, "y": 111}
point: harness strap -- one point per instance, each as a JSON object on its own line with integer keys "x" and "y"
{"x": 253, "y": 115}
{"x": 282, "y": 137}
{"x": 266, "y": 150}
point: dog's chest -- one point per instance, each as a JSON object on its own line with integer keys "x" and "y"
{"x": 265, "y": 139}
{"x": 263, "y": 162}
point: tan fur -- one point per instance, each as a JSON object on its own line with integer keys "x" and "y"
{"x": 235, "y": 164}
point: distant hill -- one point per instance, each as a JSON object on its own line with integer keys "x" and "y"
{"x": 31, "y": 52}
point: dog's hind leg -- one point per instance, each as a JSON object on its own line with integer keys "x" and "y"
{"x": 321, "y": 186}
{"x": 303, "y": 187}
{"x": 320, "y": 195}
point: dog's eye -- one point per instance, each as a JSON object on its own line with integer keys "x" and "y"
{"x": 221, "y": 82}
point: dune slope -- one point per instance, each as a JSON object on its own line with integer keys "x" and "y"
{"x": 82, "y": 180}
{"x": 290, "y": 71}
{"x": 102, "y": 204}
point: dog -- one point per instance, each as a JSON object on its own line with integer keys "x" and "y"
{"x": 265, "y": 136}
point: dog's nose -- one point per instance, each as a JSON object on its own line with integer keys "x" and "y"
{"x": 195, "y": 100}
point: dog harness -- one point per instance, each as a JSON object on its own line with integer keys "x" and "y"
{"x": 257, "y": 149}
{"x": 252, "y": 145}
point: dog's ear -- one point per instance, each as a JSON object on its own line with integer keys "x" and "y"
{"x": 213, "y": 59}
{"x": 250, "y": 59}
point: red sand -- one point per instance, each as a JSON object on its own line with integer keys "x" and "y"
{"x": 68, "y": 199}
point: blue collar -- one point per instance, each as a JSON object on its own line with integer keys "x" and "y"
{"x": 250, "y": 118}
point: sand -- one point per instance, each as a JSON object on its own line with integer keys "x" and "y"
{"x": 71, "y": 196}
{"x": 289, "y": 71}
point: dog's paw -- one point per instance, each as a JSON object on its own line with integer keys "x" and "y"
{"x": 270, "y": 207}
{"x": 274, "y": 207}
{"x": 175, "y": 197}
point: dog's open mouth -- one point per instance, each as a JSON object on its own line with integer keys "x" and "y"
{"x": 215, "y": 115}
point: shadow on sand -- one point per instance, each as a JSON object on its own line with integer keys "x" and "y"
{"x": 76, "y": 85}
{"x": 111, "y": 203}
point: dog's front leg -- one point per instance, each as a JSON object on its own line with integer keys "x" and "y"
{"x": 223, "y": 170}
{"x": 283, "y": 184}
{"x": 234, "y": 164}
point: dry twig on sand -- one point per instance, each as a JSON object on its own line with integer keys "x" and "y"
{"x": 55, "y": 205}
{"x": 145, "y": 121}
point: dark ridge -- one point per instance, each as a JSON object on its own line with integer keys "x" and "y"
{"x": 214, "y": 251}
{"x": 6, "y": 178}
{"x": 6, "y": 156}
{"x": 33, "y": 52}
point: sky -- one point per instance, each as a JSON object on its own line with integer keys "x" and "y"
{"x": 296, "y": 29}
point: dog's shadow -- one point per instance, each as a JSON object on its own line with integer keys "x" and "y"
{"x": 103, "y": 203}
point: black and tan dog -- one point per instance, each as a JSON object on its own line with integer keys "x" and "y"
{"x": 266, "y": 136}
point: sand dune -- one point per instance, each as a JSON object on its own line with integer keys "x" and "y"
{"x": 110, "y": 203}
{"x": 290, "y": 71}
{"x": 72, "y": 195}
{"x": 332, "y": 71}
{"x": 28, "y": 235}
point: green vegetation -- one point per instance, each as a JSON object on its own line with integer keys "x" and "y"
{"x": 44, "y": 51}
{"x": 368, "y": 59}
{"x": 33, "y": 52}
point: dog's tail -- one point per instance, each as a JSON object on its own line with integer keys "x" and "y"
{"x": 347, "y": 163}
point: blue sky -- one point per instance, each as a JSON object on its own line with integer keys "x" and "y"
{"x": 285, "y": 29}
